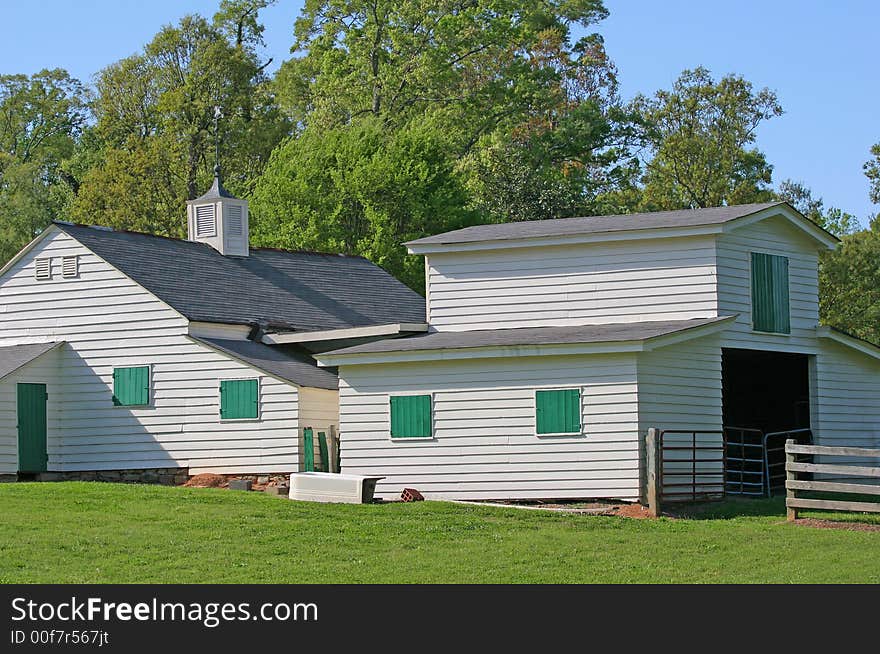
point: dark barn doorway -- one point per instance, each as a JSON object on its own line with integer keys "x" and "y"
{"x": 766, "y": 400}
{"x": 769, "y": 391}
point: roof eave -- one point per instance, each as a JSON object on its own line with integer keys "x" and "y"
{"x": 27, "y": 248}
{"x": 55, "y": 346}
{"x": 251, "y": 364}
{"x": 391, "y": 329}
{"x": 414, "y": 247}
{"x": 825, "y": 238}
{"x": 838, "y": 336}
{"x": 337, "y": 358}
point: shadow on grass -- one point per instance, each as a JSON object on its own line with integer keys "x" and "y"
{"x": 728, "y": 508}
{"x": 731, "y": 508}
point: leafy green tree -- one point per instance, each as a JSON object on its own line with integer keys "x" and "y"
{"x": 153, "y": 142}
{"x": 849, "y": 284}
{"x": 359, "y": 189}
{"x": 697, "y": 136}
{"x": 491, "y": 106}
{"x": 872, "y": 172}
{"x": 484, "y": 61}
{"x": 41, "y": 117}
{"x": 835, "y": 220}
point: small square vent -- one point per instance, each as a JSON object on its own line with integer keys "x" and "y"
{"x": 70, "y": 266}
{"x": 43, "y": 268}
{"x": 206, "y": 221}
{"x": 234, "y": 222}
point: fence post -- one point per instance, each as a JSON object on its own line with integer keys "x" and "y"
{"x": 790, "y": 475}
{"x": 334, "y": 450}
{"x": 654, "y": 479}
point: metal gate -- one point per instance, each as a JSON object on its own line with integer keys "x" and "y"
{"x": 744, "y": 472}
{"x": 691, "y": 465}
{"x": 755, "y": 461}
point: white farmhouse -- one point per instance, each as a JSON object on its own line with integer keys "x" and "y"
{"x": 553, "y": 346}
{"x": 140, "y": 355}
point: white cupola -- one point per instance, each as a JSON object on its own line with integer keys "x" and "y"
{"x": 219, "y": 219}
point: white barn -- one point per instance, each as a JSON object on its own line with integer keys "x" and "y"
{"x": 124, "y": 355}
{"x": 553, "y": 346}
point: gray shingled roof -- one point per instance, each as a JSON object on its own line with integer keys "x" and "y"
{"x": 610, "y": 333}
{"x": 594, "y": 224}
{"x": 287, "y": 363}
{"x": 14, "y": 357}
{"x": 294, "y": 290}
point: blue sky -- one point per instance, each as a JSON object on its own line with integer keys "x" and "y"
{"x": 819, "y": 56}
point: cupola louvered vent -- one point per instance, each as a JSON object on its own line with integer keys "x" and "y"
{"x": 70, "y": 266}
{"x": 43, "y": 268}
{"x": 235, "y": 222}
{"x": 206, "y": 221}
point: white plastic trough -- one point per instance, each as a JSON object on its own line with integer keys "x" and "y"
{"x": 332, "y": 487}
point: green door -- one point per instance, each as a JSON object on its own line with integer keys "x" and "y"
{"x": 32, "y": 455}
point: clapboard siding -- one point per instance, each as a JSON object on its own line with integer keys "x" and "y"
{"x": 680, "y": 386}
{"x": 846, "y": 408}
{"x": 109, "y": 321}
{"x": 771, "y": 236}
{"x": 680, "y": 390}
{"x": 484, "y": 444}
{"x": 568, "y": 285}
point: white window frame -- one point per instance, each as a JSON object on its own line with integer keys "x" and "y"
{"x": 149, "y": 404}
{"x": 259, "y": 417}
{"x": 561, "y": 434}
{"x": 412, "y": 439}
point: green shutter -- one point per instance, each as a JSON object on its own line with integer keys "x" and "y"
{"x": 558, "y": 412}
{"x": 239, "y": 399}
{"x": 770, "y": 298}
{"x": 411, "y": 416}
{"x": 131, "y": 386}
{"x": 322, "y": 449}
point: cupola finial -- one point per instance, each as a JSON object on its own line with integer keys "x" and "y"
{"x": 218, "y": 114}
{"x": 218, "y": 218}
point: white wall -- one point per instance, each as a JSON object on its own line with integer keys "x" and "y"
{"x": 109, "y": 321}
{"x": 680, "y": 389}
{"x": 664, "y": 279}
{"x": 485, "y": 446}
{"x": 42, "y": 370}
{"x": 771, "y": 236}
{"x": 847, "y": 397}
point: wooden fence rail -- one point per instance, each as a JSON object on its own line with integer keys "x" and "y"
{"x": 793, "y": 484}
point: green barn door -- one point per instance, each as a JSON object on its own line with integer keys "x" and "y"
{"x": 32, "y": 455}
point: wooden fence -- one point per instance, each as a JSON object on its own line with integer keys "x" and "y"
{"x": 793, "y": 485}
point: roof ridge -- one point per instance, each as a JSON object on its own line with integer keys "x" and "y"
{"x": 114, "y": 230}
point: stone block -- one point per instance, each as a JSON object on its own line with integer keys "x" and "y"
{"x": 240, "y": 484}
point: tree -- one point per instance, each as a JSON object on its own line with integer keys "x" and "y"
{"x": 41, "y": 117}
{"x": 697, "y": 136}
{"x": 872, "y": 172}
{"x": 490, "y": 105}
{"x": 849, "y": 284}
{"x": 154, "y": 137}
{"x": 359, "y": 189}
{"x": 484, "y": 61}
{"x": 835, "y": 220}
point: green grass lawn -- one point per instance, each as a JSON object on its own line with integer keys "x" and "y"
{"x": 93, "y": 533}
